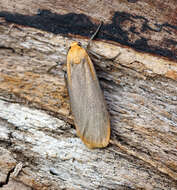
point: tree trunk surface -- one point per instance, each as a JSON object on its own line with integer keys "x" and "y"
{"x": 39, "y": 148}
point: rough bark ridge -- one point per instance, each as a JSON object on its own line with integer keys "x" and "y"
{"x": 140, "y": 90}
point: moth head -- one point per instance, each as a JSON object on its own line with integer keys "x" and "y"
{"x": 74, "y": 44}
{"x": 76, "y": 53}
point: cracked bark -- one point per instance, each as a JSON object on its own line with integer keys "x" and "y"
{"x": 140, "y": 91}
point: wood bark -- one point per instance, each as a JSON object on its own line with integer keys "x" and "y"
{"x": 140, "y": 88}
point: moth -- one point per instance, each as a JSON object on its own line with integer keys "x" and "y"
{"x": 87, "y": 102}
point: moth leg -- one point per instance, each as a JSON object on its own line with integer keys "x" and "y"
{"x": 54, "y": 66}
{"x": 11, "y": 26}
{"x": 98, "y": 56}
{"x": 65, "y": 79}
{"x": 102, "y": 57}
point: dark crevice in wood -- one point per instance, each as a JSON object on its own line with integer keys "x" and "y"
{"x": 2, "y": 183}
{"x": 80, "y": 24}
{"x": 8, "y": 48}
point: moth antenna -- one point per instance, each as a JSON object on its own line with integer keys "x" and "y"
{"x": 93, "y": 36}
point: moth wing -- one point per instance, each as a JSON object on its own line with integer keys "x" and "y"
{"x": 87, "y": 104}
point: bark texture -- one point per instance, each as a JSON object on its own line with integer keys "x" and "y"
{"x": 140, "y": 89}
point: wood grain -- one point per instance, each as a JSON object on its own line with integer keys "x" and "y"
{"x": 140, "y": 89}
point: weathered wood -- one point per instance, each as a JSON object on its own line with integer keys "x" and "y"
{"x": 140, "y": 90}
